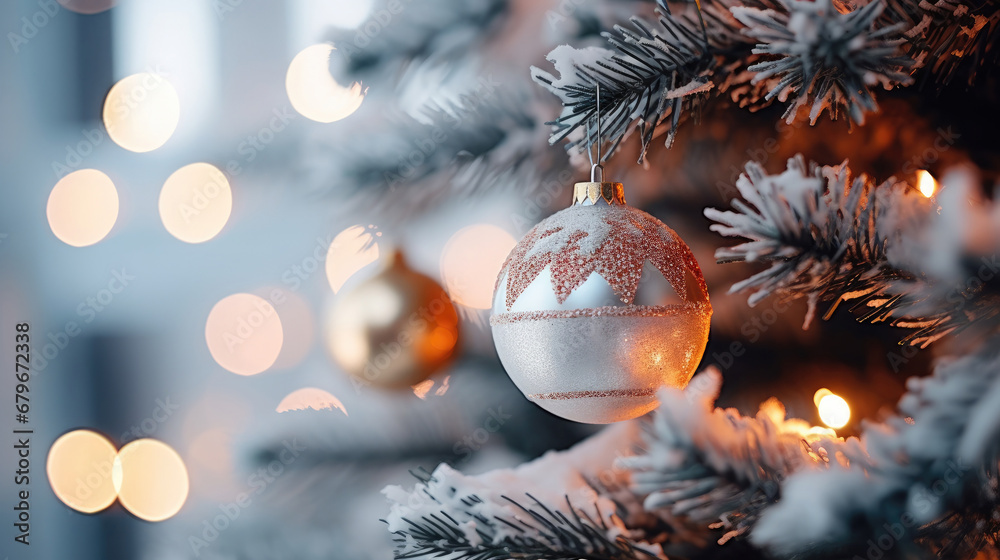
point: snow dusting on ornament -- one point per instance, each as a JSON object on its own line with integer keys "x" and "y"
{"x": 599, "y": 306}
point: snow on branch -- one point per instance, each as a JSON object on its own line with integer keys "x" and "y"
{"x": 924, "y": 480}
{"x": 704, "y": 464}
{"x": 884, "y": 247}
{"x": 695, "y": 469}
{"x": 928, "y": 476}
{"x": 827, "y": 55}
{"x": 652, "y": 75}
{"x": 825, "y": 59}
{"x": 948, "y": 39}
{"x": 543, "y": 509}
{"x": 824, "y": 234}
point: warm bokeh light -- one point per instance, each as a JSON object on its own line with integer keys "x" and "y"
{"x": 310, "y": 398}
{"x": 313, "y": 91}
{"x": 441, "y": 341}
{"x": 195, "y": 202}
{"x": 152, "y": 480}
{"x": 352, "y": 249}
{"x": 471, "y": 261}
{"x": 82, "y": 207}
{"x": 87, "y": 7}
{"x": 141, "y": 112}
{"x": 244, "y": 334}
{"x": 833, "y": 409}
{"x": 79, "y": 468}
{"x": 774, "y": 410}
{"x": 926, "y": 183}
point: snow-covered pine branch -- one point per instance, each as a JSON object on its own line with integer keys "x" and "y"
{"x": 698, "y": 469}
{"x": 895, "y": 254}
{"x": 824, "y": 234}
{"x": 948, "y": 39}
{"x": 545, "y": 509}
{"x": 828, "y": 55}
{"x": 653, "y": 74}
{"x": 646, "y": 80}
{"x": 928, "y": 475}
{"x": 826, "y": 60}
{"x": 712, "y": 467}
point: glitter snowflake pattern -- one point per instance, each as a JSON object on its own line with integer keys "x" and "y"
{"x": 612, "y": 241}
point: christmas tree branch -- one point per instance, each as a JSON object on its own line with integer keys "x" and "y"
{"x": 543, "y": 509}
{"x": 831, "y": 238}
{"x": 823, "y": 234}
{"x": 540, "y": 533}
{"x": 925, "y": 479}
{"x": 928, "y": 473}
{"x": 713, "y": 467}
{"x": 949, "y": 39}
{"x": 824, "y": 55}
{"x": 653, "y": 74}
{"x": 824, "y": 59}
{"x": 698, "y": 469}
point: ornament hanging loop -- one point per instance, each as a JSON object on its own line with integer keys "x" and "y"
{"x": 597, "y": 173}
{"x": 588, "y": 194}
{"x": 595, "y": 167}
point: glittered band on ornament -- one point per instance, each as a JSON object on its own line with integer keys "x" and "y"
{"x": 594, "y": 394}
{"x": 587, "y": 194}
{"x": 699, "y": 308}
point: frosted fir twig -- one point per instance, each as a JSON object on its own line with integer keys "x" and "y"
{"x": 647, "y": 82}
{"x": 697, "y": 468}
{"x": 826, "y": 60}
{"x": 539, "y": 532}
{"x": 653, "y": 74}
{"x": 819, "y": 230}
{"x": 948, "y": 39}
{"x": 928, "y": 475}
{"x": 832, "y": 238}
{"x": 714, "y": 467}
{"x": 828, "y": 55}
{"x": 544, "y": 509}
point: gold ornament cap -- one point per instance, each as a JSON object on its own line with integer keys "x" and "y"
{"x": 590, "y": 193}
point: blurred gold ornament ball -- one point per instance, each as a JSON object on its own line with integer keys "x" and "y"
{"x": 394, "y": 330}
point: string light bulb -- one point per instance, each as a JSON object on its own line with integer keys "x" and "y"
{"x": 926, "y": 183}
{"x": 833, "y": 409}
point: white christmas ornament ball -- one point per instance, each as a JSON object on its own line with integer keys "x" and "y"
{"x": 598, "y": 307}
